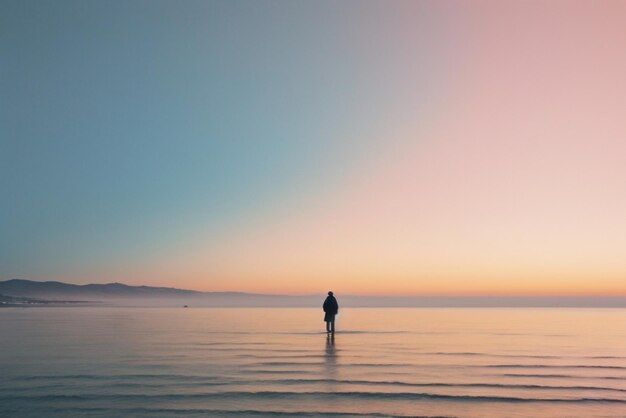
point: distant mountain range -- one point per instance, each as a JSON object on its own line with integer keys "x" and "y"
{"x": 122, "y": 294}
{"x": 53, "y": 289}
{"x": 135, "y": 295}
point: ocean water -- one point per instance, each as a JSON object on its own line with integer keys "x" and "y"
{"x": 149, "y": 362}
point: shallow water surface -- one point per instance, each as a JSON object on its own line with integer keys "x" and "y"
{"x": 152, "y": 362}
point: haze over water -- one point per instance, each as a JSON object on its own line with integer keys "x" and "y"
{"x": 160, "y": 362}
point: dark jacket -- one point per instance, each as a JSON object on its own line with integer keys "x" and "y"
{"x": 331, "y": 307}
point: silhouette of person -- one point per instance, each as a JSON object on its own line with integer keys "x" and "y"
{"x": 331, "y": 308}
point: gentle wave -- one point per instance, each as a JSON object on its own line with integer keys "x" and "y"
{"x": 552, "y": 366}
{"x": 254, "y": 371}
{"x": 433, "y": 365}
{"x": 263, "y": 350}
{"x": 242, "y": 412}
{"x": 471, "y": 353}
{"x": 108, "y": 377}
{"x": 544, "y": 356}
{"x": 319, "y": 363}
{"x": 315, "y": 394}
{"x": 426, "y": 353}
{"x": 287, "y": 382}
{"x": 307, "y": 332}
{"x": 451, "y": 385}
{"x": 452, "y": 353}
{"x": 562, "y": 376}
{"x": 365, "y": 332}
{"x": 434, "y": 353}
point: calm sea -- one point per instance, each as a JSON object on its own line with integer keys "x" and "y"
{"x": 144, "y": 362}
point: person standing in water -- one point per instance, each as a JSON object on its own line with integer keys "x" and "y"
{"x": 331, "y": 308}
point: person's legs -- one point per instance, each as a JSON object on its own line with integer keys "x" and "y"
{"x": 327, "y": 326}
{"x": 332, "y": 325}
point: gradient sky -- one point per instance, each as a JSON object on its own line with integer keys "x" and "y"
{"x": 372, "y": 147}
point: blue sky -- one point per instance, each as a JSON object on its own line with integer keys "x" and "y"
{"x": 126, "y": 125}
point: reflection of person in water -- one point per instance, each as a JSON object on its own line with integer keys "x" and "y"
{"x": 330, "y": 347}
{"x": 330, "y": 362}
{"x": 331, "y": 308}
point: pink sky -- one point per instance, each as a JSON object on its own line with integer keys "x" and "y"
{"x": 517, "y": 185}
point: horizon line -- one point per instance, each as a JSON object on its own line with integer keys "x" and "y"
{"x": 359, "y": 295}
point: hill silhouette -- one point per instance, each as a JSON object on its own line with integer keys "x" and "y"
{"x": 30, "y": 288}
{"x": 135, "y": 295}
